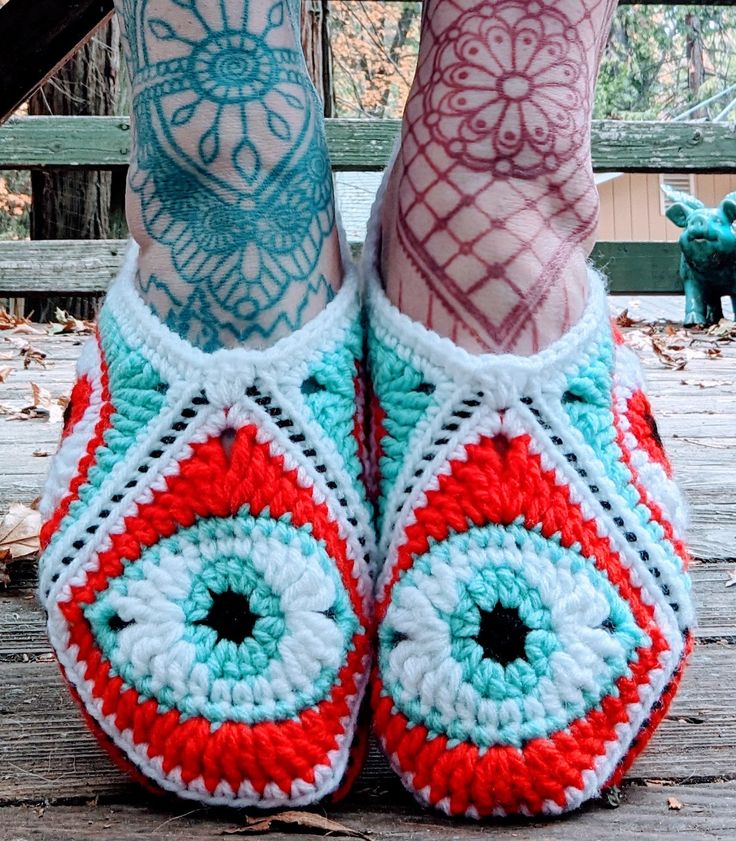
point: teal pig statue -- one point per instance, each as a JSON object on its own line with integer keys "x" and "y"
{"x": 708, "y": 254}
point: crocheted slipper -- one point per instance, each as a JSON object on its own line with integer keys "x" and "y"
{"x": 204, "y": 569}
{"x": 533, "y": 613}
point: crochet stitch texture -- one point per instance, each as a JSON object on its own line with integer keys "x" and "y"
{"x": 205, "y": 564}
{"x": 533, "y": 611}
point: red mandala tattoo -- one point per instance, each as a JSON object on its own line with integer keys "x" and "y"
{"x": 509, "y": 89}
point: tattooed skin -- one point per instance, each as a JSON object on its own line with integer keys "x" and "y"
{"x": 230, "y": 191}
{"x": 492, "y": 204}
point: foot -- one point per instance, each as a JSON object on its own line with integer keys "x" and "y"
{"x": 491, "y": 206}
{"x": 204, "y": 567}
{"x": 533, "y": 611}
{"x": 230, "y": 192}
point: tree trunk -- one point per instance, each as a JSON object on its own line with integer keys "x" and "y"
{"x": 76, "y": 204}
{"x": 696, "y": 67}
{"x": 317, "y": 51}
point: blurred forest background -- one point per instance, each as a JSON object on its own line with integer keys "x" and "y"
{"x": 660, "y": 61}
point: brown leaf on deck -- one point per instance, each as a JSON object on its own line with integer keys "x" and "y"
{"x": 31, "y": 354}
{"x": 674, "y": 804}
{"x": 64, "y": 322}
{"x": 295, "y": 821}
{"x": 670, "y": 356}
{"x": 11, "y": 322}
{"x": 19, "y": 536}
{"x": 725, "y": 330}
{"x": 43, "y": 407}
{"x": 623, "y": 319}
{"x": 5, "y": 372}
{"x": 44, "y": 402}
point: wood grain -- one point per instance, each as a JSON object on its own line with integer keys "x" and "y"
{"x": 708, "y": 813}
{"x": 364, "y": 144}
{"x": 80, "y": 267}
{"x": 47, "y": 753}
{"x": 698, "y": 424}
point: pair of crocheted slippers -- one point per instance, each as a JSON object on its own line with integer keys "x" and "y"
{"x": 209, "y": 559}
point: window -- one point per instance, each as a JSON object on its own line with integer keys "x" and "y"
{"x": 682, "y": 183}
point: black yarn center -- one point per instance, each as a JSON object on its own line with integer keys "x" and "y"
{"x": 117, "y": 624}
{"x": 502, "y": 635}
{"x": 230, "y": 617}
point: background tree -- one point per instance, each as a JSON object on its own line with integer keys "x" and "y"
{"x": 661, "y": 60}
{"x": 75, "y": 204}
{"x": 375, "y": 48}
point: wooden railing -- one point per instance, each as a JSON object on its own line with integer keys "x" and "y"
{"x": 78, "y": 267}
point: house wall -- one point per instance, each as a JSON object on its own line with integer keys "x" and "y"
{"x": 631, "y": 208}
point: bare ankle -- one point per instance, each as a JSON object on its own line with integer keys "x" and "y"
{"x": 230, "y": 194}
{"x": 492, "y": 205}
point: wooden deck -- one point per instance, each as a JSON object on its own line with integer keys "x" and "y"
{"x": 56, "y": 784}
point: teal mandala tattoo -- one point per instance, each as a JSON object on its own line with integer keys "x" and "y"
{"x": 231, "y": 165}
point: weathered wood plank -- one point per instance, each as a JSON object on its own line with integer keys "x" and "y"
{"x": 642, "y": 268}
{"x": 80, "y": 267}
{"x": 37, "y": 38}
{"x": 40, "y": 731}
{"x": 77, "y": 267}
{"x": 46, "y": 752}
{"x": 708, "y": 814}
{"x": 362, "y": 145}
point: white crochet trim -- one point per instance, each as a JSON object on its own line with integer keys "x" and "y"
{"x": 176, "y": 358}
{"x": 64, "y": 463}
{"x": 505, "y": 379}
{"x": 226, "y": 374}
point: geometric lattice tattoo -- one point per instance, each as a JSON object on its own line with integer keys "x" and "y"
{"x": 495, "y": 188}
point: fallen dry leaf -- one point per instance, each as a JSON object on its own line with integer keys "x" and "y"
{"x": 669, "y": 355}
{"x": 42, "y": 407}
{"x": 5, "y": 372}
{"x": 64, "y": 322}
{"x": 19, "y": 531}
{"x": 295, "y": 822}
{"x": 623, "y": 319}
{"x": 731, "y": 580}
{"x": 725, "y": 329}
{"x": 674, "y": 804}
{"x": 44, "y": 402}
{"x": 11, "y": 322}
{"x": 40, "y": 453}
{"x": 31, "y": 354}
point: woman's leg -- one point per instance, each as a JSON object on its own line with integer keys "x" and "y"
{"x": 230, "y": 192}
{"x": 492, "y": 206}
